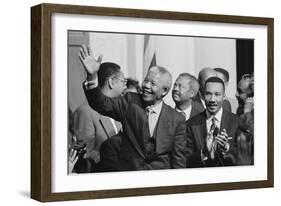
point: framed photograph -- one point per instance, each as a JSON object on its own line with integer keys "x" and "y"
{"x": 70, "y": 137}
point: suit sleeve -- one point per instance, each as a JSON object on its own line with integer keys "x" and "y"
{"x": 113, "y": 107}
{"x": 233, "y": 155}
{"x": 193, "y": 154}
{"x": 178, "y": 157}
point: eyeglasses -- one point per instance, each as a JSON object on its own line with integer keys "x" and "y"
{"x": 124, "y": 81}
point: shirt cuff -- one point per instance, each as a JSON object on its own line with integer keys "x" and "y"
{"x": 204, "y": 157}
{"x": 87, "y": 85}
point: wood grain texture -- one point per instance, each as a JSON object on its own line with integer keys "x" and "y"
{"x": 41, "y": 117}
{"x": 36, "y": 153}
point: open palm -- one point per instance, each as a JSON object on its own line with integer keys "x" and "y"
{"x": 90, "y": 64}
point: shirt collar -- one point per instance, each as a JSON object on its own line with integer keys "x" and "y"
{"x": 156, "y": 108}
{"x": 187, "y": 111}
{"x": 218, "y": 115}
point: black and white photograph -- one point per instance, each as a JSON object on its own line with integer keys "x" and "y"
{"x": 156, "y": 102}
{"x": 137, "y": 102}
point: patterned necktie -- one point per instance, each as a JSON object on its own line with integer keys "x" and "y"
{"x": 213, "y": 125}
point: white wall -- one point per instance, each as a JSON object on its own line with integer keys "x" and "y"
{"x": 177, "y": 54}
{"x": 210, "y": 52}
{"x": 15, "y": 103}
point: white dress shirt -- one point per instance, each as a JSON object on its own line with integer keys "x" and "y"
{"x": 217, "y": 116}
{"x": 153, "y": 116}
{"x": 186, "y": 112}
{"x": 114, "y": 125}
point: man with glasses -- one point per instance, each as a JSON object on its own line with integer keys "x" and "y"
{"x": 92, "y": 128}
{"x": 153, "y": 133}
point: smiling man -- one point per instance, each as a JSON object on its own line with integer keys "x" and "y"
{"x": 211, "y": 135}
{"x": 153, "y": 132}
{"x": 185, "y": 88}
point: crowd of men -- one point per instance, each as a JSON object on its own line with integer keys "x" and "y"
{"x": 127, "y": 127}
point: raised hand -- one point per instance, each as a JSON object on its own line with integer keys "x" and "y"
{"x": 88, "y": 60}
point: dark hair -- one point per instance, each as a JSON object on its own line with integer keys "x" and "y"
{"x": 107, "y": 70}
{"x": 133, "y": 83}
{"x": 224, "y": 72}
{"x": 214, "y": 80}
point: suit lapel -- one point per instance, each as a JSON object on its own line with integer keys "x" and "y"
{"x": 137, "y": 119}
{"x": 119, "y": 126}
{"x": 107, "y": 126}
{"x": 225, "y": 121}
{"x": 161, "y": 129}
{"x": 201, "y": 131}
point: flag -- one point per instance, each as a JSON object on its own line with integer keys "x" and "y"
{"x": 149, "y": 59}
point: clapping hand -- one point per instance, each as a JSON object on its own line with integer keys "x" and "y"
{"x": 222, "y": 140}
{"x": 88, "y": 60}
{"x": 215, "y": 142}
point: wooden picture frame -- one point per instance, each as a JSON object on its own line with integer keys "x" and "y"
{"x": 41, "y": 101}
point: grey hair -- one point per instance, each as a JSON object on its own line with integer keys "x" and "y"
{"x": 165, "y": 73}
{"x": 194, "y": 84}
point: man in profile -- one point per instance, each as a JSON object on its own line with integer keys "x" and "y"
{"x": 153, "y": 132}
{"x": 211, "y": 135}
{"x": 185, "y": 88}
{"x": 92, "y": 128}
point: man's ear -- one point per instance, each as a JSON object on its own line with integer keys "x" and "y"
{"x": 110, "y": 83}
{"x": 165, "y": 91}
{"x": 192, "y": 93}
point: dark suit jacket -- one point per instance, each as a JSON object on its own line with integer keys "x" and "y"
{"x": 194, "y": 110}
{"x": 200, "y": 107}
{"x": 196, "y": 140}
{"x": 169, "y": 132}
{"x": 109, "y": 154}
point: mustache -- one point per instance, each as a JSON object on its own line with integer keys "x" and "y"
{"x": 212, "y": 104}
